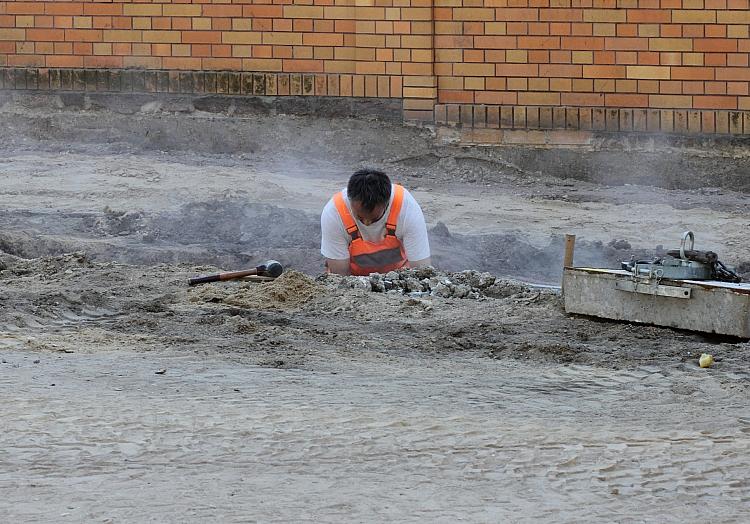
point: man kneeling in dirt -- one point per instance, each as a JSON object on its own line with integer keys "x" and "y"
{"x": 373, "y": 226}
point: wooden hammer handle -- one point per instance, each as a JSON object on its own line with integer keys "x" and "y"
{"x": 220, "y": 277}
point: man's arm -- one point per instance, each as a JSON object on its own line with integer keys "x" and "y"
{"x": 339, "y": 267}
{"x": 334, "y": 242}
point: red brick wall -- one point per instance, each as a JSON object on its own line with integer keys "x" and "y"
{"x": 671, "y": 65}
{"x": 611, "y": 53}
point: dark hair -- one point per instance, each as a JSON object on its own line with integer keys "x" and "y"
{"x": 369, "y": 187}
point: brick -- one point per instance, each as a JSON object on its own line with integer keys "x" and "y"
{"x": 582, "y": 57}
{"x": 560, "y": 70}
{"x": 441, "y": 114}
{"x": 421, "y": 104}
{"x": 626, "y": 120}
{"x": 600, "y": 71}
{"x": 735, "y": 122}
{"x": 272, "y": 85}
{"x": 733, "y": 17}
{"x": 670, "y": 44}
{"x": 452, "y": 114}
{"x": 715, "y": 59}
{"x": 506, "y": 117}
{"x": 517, "y": 84}
{"x": 425, "y": 13}
{"x": 626, "y": 100}
{"x": 653, "y": 120}
{"x": 600, "y": 29}
{"x": 510, "y": 70}
{"x": 539, "y": 99}
{"x": 300, "y": 11}
{"x": 722, "y": 122}
{"x": 715, "y": 102}
{"x": 532, "y": 117}
{"x": 582, "y": 99}
{"x": 241, "y": 37}
{"x": 260, "y": 11}
{"x": 142, "y": 9}
{"x": 12, "y": 34}
{"x": 692, "y": 73}
{"x": 738, "y": 88}
{"x": 83, "y": 35}
{"x": 455, "y": 96}
{"x": 201, "y": 37}
{"x": 516, "y": 14}
{"x": 604, "y": 15}
{"x": 626, "y": 44}
{"x": 44, "y": 35}
{"x": 115, "y": 35}
{"x": 693, "y": 16}
{"x": 222, "y": 83}
{"x": 496, "y": 97}
{"x": 483, "y": 42}
{"x": 680, "y": 122}
{"x": 174, "y": 37}
{"x": 561, "y": 15}
{"x": 713, "y": 45}
{"x": 299, "y": 66}
{"x": 669, "y": 101}
{"x": 612, "y": 119}
{"x": 708, "y": 122}
{"x": 692, "y": 59}
{"x": 110, "y": 9}
{"x": 640, "y": 120}
{"x": 529, "y": 42}
{"x": 732, "y": 73}
{"x": 585, "y": 115}
{"x": 559, "y": 117}
{"x": 467, "y": 115}
{"x": 519, "y": 117}
{"x": 221, "y": 11}
{"x": 582, "y": 43}
{"x": 646, "y": 72}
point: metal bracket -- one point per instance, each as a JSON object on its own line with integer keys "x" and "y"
{"x": 650, "y": 289}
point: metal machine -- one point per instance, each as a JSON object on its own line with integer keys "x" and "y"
{"x": 682, "y": 264}
{"x": 685, "y": 289}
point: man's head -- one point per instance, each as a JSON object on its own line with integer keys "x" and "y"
{"x": 369, "y": 193}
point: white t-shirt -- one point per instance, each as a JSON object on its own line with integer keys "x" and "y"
{"x": 410, "y": 229}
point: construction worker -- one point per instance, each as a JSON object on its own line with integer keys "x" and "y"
{"x": 373, "y": 226}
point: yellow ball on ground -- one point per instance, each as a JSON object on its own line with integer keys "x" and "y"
{"x": 706, "y": 360}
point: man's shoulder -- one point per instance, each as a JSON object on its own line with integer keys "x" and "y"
{"x": 409, "y": 202}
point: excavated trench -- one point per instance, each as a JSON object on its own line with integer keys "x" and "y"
{"x": 236, "y": 233}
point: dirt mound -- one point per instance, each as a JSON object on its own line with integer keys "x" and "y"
{"x": 288, "y": 292}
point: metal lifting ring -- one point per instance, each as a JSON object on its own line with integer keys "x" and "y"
{"x": 685, "y": 236}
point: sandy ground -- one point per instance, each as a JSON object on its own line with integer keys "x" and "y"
{"x": 308, "y": 400}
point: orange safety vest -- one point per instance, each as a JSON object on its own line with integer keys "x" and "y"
{"x": 374, "y": 257}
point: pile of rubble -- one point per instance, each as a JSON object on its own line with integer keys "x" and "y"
{"x": 428, "y": 281}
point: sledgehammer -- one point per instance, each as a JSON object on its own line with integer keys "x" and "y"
{"x": 271, "y": 269}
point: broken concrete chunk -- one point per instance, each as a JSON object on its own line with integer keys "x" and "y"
{"x": 377, "y": 283}
{"x": 442, "y": 290}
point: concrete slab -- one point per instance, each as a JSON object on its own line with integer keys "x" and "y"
{"x": 707, "y": 306}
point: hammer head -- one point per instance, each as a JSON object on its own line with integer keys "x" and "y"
{"x": 272, "y": 268}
